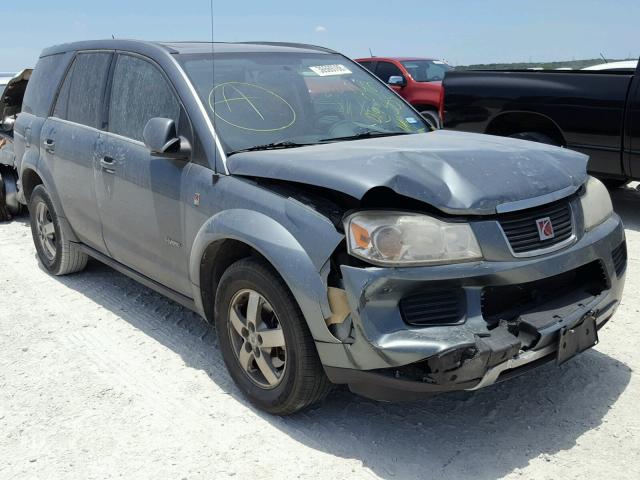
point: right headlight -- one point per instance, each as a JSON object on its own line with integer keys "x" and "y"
{"x": 401, "y": 239}
{"x": 596, "y": 204}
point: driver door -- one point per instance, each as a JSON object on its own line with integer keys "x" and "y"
{"x": 385, "y": 70}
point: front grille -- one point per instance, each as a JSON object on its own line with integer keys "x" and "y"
{"x": 521, "y": 228}
{"x": 442, "y": 307}
{"x": 507, "y": 302}
{"x": 619, "y": 255}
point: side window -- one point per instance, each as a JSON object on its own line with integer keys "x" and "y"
{"x": 43, "y": 84}
{"x": 139, "y": 93}
{"x": 368, "y": 65}
{"x": 60, "y": 110}
{"x": 80, "y": 98}
{"x": 386, "y": 70}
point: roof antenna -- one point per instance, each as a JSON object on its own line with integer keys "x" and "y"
{"x": 213, "y": 85}
{"x": 371, "y": 53}
{"x": 213, "y": 75}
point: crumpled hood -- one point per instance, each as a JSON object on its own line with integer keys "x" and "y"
{"x": 457, "y": 173}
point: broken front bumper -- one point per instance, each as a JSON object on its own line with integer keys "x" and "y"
{"x": 494, "y": 337}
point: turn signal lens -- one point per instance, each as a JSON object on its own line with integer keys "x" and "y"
{"x": 360, "y": 235}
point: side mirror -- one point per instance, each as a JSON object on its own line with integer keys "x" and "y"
{"x": 160, "y": 136}
{"x": 397, "y": 81}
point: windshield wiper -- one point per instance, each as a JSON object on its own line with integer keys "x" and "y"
{"x": 366, "y": 134}
{"x": 270, "y": 146}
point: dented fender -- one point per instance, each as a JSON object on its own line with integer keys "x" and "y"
{"x": 285, "y": 253}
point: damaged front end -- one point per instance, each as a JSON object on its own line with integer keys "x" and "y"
{"x": 416, "y": 332}
{"x": 427, "y": 295}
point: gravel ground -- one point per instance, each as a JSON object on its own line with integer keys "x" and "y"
{"x": 103, "y": 378}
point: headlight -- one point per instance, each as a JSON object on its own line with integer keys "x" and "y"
{"x": 392, "y": 238}
{"x": 596, "y": 204}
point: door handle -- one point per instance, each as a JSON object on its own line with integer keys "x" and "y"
{"x": 107, "y": 164}
{"x": 49, "y": 145}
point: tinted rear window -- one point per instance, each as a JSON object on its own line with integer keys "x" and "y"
{"x": 43, "y": 85}
{"x": 81, "y": 94}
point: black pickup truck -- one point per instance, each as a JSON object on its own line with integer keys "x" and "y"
{"x": 594, "y": 112}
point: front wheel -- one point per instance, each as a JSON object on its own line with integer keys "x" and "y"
{"x": 264, "y": 340}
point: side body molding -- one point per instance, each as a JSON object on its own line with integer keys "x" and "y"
{"x": 281, "y": 249}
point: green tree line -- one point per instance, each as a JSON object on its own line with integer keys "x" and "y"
{"x": 574, "y": 64}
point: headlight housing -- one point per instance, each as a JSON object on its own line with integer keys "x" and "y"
{"x": 402, "y": 239}
{"x": 596, "y": 204}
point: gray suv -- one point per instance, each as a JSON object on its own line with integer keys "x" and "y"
{"x": 293, "y": 200}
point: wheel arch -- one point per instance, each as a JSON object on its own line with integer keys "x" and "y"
{"x": 235, "y": 234}
{"x": 30, "y": 180}
{"x": 509, "y": 123}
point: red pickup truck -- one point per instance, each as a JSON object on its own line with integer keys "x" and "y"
{"x": 417, "y": 80}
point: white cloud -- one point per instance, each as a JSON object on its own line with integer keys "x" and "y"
{"x": 321, "y": 29}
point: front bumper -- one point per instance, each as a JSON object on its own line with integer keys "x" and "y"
{"x": 386, "y": 358}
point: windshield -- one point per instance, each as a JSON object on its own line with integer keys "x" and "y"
{"x": 427, "y": 70}
{"x": 291, "y": 99}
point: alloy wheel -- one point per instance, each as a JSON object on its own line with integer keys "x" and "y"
{"x": 257, "y": 338}
{"x": 45, "y": 230}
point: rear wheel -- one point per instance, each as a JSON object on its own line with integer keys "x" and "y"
{"x": 265, "y": 342}
{"x": 57, "y": 254}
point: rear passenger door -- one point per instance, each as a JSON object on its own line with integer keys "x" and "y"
{"x": 140, "y": 195}
{"x": 69, "y": 141}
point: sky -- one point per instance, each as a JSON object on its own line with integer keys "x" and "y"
{"x": 461, "y": 31}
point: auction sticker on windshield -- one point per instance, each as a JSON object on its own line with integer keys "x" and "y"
{"x": 328, "y": 70}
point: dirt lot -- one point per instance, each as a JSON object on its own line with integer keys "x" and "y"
{"x": 102, "y": 378}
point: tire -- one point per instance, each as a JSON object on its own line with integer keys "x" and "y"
{"x": 296, "y": 379}
{"x": 5, "y": 215}
{"x": 9, "y": 205}
{"x": 57, "y": 254}
{"x": 535, "y": 137}
{"x": 432, "y": 118}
